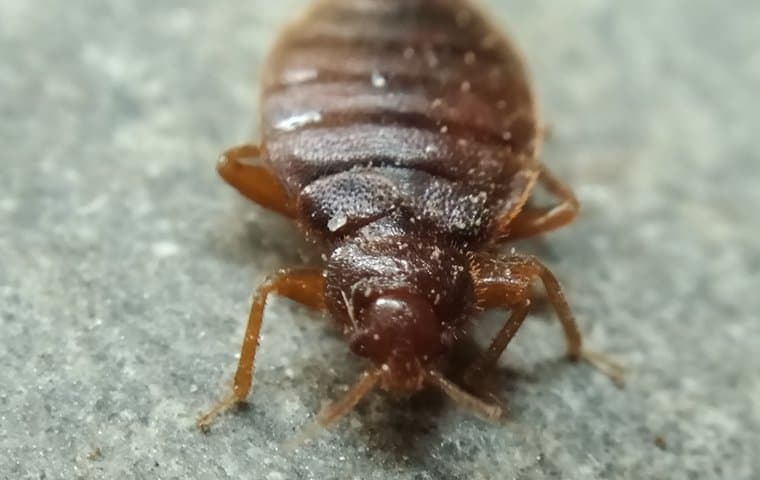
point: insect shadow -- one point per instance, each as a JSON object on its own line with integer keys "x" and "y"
{"x": 405, "y": 431}
{"x": 262, "y": 240}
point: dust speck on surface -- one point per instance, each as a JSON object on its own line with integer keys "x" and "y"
{"x": 165, "y": 249}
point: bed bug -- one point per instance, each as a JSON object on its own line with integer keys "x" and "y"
{"x": 403, "y": 136}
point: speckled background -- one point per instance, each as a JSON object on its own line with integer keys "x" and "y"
{"x": 126, "y": 266}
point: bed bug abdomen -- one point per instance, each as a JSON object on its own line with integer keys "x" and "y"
{"x": 411, "y": 85}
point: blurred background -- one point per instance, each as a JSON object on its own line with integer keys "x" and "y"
{"x": 126, "y": 266}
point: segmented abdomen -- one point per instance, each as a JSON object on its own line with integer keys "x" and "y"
{"x": 378, "y": 86}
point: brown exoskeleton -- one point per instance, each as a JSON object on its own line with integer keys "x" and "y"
{"x": 403, "y": 135}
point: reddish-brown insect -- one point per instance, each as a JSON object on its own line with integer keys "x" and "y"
{"x": 403, "y": 136}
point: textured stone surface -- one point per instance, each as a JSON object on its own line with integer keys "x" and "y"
{"x": 126, "y": 266}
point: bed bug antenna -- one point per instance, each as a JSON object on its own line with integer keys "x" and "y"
{"x": 465, "y": 400}
{"x": 335, "y": 411}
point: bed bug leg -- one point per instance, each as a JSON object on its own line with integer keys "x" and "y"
{"x": 305, "y": 286}
{"x": 487, "y": 360}
{"x": 536, "y": 220}
{"x": 242, "y": 168}
{"x": 507, "y": 283}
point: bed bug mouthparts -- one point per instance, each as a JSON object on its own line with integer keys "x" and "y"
{"x": 403, "y": 137}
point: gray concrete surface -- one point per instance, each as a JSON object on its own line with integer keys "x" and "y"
{"x": 126, "y": 265}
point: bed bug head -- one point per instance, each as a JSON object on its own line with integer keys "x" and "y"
{"x": 400, "y": 307}
{"x": 401, "y": 332}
